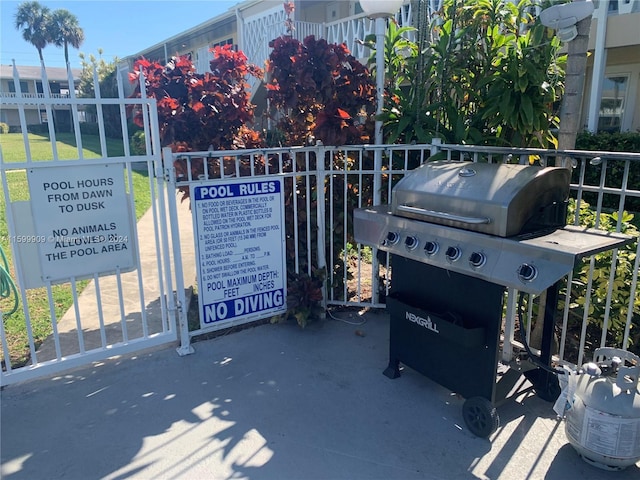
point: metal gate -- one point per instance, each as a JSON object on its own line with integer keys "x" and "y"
{"x": 88, "y": 230}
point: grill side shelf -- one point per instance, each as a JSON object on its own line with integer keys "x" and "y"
{"x": 579, "y": 242}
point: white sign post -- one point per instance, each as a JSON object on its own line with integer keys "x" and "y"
{"x": 82, "y": 220}
{"x": 240, "y": 250}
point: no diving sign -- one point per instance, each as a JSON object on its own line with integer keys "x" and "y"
{"x": 240, "y": 249}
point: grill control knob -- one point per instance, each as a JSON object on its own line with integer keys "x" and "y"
{"x": 431, "y": 248}
{"x": 410, "y": 242}
{"x": 477, "y": 259}
{"x": 392, "y": 238}
{"x": 453, "y": 253}
{"x": 527, "y": 272}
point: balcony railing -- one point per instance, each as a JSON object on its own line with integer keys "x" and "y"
{"x": 351, "y": 31}
{"x": 32, "y": 95}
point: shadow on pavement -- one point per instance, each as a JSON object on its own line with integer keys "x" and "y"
{"x": 272, "y": 401}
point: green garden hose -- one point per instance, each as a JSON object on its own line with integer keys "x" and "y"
{"x": 7, "y": 285}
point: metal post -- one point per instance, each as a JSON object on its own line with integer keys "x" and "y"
{"x": 544, "y": 381}
{"x": 176, "y": 305}
{"x": 321, "y": 178}
{"x": 380, "y": 67}
{"x": 380, "y": 26}
{"x": 510, "y": 321}
{"x": 435, "y": 146}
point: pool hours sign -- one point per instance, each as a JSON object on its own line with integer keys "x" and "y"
{"x": 82, "y": 220}
{"x": 240, "y": 249}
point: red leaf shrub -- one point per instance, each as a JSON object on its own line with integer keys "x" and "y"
{"x": 319, "y": 91}
{"x": 203, "y": 111}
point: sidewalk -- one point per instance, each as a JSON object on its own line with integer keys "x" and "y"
{"x": 131, "y": 309}
{"x": 272, "y": 402}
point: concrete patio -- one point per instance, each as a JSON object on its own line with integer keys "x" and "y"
{"x": 273, "y": 402}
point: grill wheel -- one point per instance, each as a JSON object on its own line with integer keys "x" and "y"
{"x": 480, "y": 416}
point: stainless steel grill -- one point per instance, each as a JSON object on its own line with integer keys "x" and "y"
{"x": 458, "y": 234}
{"x": 496, "y": 199}
{"x": 502, "y": 223}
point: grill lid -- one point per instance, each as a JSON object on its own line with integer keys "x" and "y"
{"x": 496, "y": 199}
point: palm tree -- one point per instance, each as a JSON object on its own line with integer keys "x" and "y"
{"x": 34, "y": 21}
{"x": 65, "y": 31}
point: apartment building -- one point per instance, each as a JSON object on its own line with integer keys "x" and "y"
{"x": 31, "y": 86}
{"x": 612, "y": 87}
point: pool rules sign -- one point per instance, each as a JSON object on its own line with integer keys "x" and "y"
{"x": 82, "y": 220}
{"x": 240, "y": 249}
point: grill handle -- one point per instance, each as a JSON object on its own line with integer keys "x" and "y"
{"x": 443, "y": 215}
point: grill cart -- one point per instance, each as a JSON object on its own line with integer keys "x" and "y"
{"x": 459, "y": 233}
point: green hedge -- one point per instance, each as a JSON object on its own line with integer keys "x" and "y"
{"x": 137, "y": 143}
{"x": 89, "y": 128}
{"x": 38, "y": 129}
{"x": 611, "y": 142}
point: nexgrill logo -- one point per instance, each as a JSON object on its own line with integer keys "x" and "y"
{"x": 423, "y": 322}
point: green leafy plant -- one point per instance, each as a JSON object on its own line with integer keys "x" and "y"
{"x": 611, "y": 142}
{"x": 137, "y": 143}
{"x": 107, "y": 73}
{"x": 304, "y": 294}
{"x": 486, "y": 72}
{"x": 602, "y": 281}
{"x": 351, "y": 252}
{"x": 403, "y": 118}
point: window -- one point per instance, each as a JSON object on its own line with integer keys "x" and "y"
{"x": 228, "y": 41}
{"x": 612, "y": 103}
{"x": 24, "y": 87}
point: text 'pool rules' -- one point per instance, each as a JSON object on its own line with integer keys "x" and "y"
{"x": 82, "y": 218}
{"x": 240, "y": 249}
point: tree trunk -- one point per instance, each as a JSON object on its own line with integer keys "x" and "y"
{"x": 574, "y": 87}
{"x": 570, "y": 113}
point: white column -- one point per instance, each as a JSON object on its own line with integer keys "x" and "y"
{"x": 380, "y": 27}
{"x": 599, "y": 64}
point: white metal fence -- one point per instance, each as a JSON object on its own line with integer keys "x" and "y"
{"x": 119, "y": 312}
{"x": 113, "y": 310}
{"x": 600, "y": 302}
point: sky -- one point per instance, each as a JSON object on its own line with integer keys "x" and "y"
{"x": 119, "y": 27}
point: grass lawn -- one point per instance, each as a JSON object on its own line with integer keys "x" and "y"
{"x": 40, "y": 146}
{"x": 40, "y": 317}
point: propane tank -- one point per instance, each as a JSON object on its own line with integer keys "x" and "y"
{"x": 603, "y": 415}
